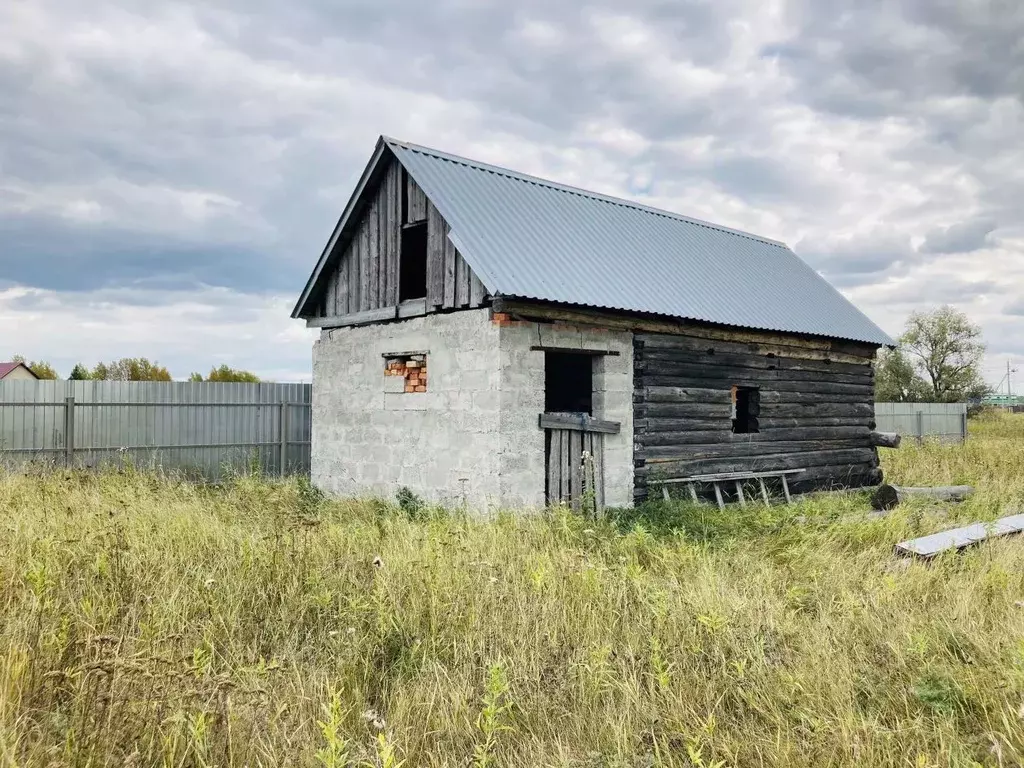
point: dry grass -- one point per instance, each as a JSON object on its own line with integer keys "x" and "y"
{"x": 148, "y": 622}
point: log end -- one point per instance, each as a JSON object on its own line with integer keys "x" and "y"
{"x": 885, "y": 439}
{"x": 885, "y": 497}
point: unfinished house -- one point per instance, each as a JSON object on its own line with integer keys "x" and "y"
{"x": 497, "y": 340}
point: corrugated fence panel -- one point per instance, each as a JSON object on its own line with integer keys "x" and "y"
{"x": 202, "y": 429}
{"x": 943, "y": 421}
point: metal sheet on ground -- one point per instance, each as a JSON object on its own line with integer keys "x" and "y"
{"x": 958, "y": 538}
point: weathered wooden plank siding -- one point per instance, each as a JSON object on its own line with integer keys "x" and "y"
{"x": 813, "y": 413}
{"x": 366, "y": 276}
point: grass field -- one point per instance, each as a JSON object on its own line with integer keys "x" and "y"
{"x": 148, "y": 622}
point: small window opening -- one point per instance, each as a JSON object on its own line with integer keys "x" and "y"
{"x": 407, "y": 372}
{"x": 746, "y": 407}
{"x": 568, "y": 383}
{"x": 412, "y": 279}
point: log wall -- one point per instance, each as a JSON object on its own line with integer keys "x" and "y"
{"x": 816, "y": 408}
{"x": 365, "y": 274}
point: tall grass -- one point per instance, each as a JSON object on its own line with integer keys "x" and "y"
{"x": 145, "y": 621}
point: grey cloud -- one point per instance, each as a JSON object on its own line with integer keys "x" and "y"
{"x": 1015, "y": 308}
{"x": 964, "y": 237}
{"x": 850, "y": 262}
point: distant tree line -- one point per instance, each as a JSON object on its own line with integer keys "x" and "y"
{"x": 938, "y": 360}
{"x": 134, "y": 369}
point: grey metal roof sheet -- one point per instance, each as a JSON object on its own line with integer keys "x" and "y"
{"x": 530, "y": 238}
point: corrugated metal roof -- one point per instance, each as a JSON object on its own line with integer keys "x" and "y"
{"x": 535, "y": 239}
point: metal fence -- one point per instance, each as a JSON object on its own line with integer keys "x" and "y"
{"x": 202, "y": 429}
{"x": 944, "y": 421}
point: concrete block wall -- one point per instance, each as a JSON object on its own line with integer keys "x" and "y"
{"x": 472, "y": 438}
{"x": 521, "y": 460}
{"x": 370, "y": 438}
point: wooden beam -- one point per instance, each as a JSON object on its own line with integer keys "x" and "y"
{"x": 578, "y": 423}
{"x": 795, "y": 345}
{"x": 353, "y": 318}
{"x": 575, "y": 351}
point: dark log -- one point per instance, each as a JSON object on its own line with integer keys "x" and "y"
{"x": 648, "y": 424}
{"x": 799, "y": 423}
{"x": 676, "y": 375}
{"x": 725, "y": 435}
{"x": 885, "y": 439}
{"x": 751, "y": 361}
{"x": 663, "y": 394}
{"x": 841, "y": 478}
{"x": 811, "y": 410}
{"x": 657, "y": 454}
{"x": 673, "y": 469}
{"x": 888, "y": 496}
{"x": 687, "y": 410}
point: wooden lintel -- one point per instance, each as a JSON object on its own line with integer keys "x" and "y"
{"x": 575, "y": 351}
{"x": 578, "y": 423}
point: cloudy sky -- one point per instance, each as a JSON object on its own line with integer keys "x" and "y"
{"x": 169, "y": 171}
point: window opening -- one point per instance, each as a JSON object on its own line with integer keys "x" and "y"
{"x": 409, "y": 372}
{"x": 746, "y": 407}
{"x": 412, "y": 279}
{"x": 568, "y": 383}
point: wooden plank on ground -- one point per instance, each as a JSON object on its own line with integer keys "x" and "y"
{"x": 959, "y": 538}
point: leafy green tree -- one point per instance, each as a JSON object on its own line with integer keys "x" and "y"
{"x": 896, "y": 379}
{"x": 946, "y": 350}
{"x": 79, "y": 373}
{"x": 131, "y": 369}
{"x": 225, "y": 373}
{"x": 40, "y": 368}
{"x": 195, "y": 376}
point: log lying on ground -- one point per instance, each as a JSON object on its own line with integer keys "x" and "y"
{"x": 885, "y": 439}
{"x": 888, "y": 496}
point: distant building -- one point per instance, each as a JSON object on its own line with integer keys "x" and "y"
{"x": 16, "y": 372}
{"x": 483, "y": 334}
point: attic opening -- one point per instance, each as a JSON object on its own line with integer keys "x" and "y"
{"x": 746, "y": 407}
{"x": 568, "y": 383}
{"x": 412, "y": 262}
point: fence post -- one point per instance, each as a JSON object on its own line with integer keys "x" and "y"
{"x": 963, "y": 426}
{"x": 69, "y": 432}
{"x": 919, "y": 427}
{"x": 284, "y": 436}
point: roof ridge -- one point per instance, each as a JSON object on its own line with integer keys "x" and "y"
{"x": 569, "y": 189}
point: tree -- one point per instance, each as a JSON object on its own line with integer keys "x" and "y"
{"x": 130, "y": 369}
{"x": 40, "y": 368}
{"x": 947, "y": 350}
{"x": 79, "y": 373}
{"x": 224, "y": 373}
{"x": 896, "y": 379}
{"x": 195, "y": 376}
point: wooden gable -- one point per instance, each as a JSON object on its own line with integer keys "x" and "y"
{"x": 361, "y": 283}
